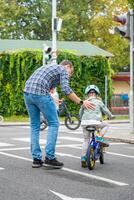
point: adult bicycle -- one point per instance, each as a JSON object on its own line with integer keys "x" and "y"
{"x": 71, "y": 121}
{"x": 95, "y": 149}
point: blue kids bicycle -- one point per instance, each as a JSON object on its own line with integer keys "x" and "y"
{"x": 95, "y": 149}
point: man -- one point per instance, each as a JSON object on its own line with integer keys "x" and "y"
{"x": 38, "y": 99}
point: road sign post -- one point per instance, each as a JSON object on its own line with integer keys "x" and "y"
{"x": 54, "y": 32}
{"x": 131, "y": 105}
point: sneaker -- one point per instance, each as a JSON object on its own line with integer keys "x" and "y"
{"x": 102, "y": 141}
{"x": 37, "y": 163}
{"x": 54, "y": 163}
{"x": 83, "y": 161}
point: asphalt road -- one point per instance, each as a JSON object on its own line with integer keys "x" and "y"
{"x": 19, "y": 181}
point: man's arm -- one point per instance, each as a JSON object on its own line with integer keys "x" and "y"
{"x": 87, "y": 104}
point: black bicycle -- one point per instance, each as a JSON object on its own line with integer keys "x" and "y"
{"x": 71, "y": 121}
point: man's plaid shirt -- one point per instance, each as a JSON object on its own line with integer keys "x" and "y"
{"x": 47, "y": 77}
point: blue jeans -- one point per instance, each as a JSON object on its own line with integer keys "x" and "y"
{"x": 45, "y": 104}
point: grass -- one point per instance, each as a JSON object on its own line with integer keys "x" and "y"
{"x": 18, "y": 118}
{"x": 21, "y": 118}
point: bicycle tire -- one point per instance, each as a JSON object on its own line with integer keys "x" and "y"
{"x": 90, "y": 158}
{"x": 1, "y": 119}
{"x": 72, "y": 122}
{"x": 43, "y": 125}
{"x": 101, "y": 158}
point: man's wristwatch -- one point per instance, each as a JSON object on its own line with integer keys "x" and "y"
{"x": 81, "y": 102}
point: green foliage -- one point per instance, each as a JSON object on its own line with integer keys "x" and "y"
{"x": 131, "y": 2}
{"x": 85, "y": 20}
{"x": 16, "y": 67}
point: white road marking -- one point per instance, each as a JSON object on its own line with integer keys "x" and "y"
{"x": 25, "y": 148}
{"x": 118, "y": 154}
{"x": 73, "y": 171}
{"x": 95, "y": 177}
{"x": 15, "y": 149}
{"x": 15, "y": 156}
{"x": 1, "y": 168}
{"x": 71, "y": 138}
{"x": 67, "y": 155}
{"x": 42, "y": 141}
{"x": 130, "y": 147}
{"x": 64, "y": 197}
{"x": 75, "y": 146}
{"x": 3, "y": 144}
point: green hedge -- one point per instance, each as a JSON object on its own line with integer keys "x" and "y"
{"x": 17, "y": 66}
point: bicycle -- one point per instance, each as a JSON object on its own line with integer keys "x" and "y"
{"x": 95, "y": 149}
{"x": 71, "y": 121}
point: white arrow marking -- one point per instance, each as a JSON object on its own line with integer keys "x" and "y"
{"x": 64, "y": 197}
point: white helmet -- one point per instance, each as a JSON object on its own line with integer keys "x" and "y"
{"x": 92, "y": 87}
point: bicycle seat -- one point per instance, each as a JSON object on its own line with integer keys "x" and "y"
{"x": 90, "y": 128}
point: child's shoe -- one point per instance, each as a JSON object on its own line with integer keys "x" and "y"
{"x": 83, "y": 161}
{"x": 102, "y": 141}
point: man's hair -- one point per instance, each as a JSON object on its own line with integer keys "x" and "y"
{"x": 66, "y": 62}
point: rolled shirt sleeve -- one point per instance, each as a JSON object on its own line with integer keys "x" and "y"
{"x": 64, "y": 81}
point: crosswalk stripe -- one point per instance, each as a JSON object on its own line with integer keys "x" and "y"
{"x": 42, "y": 141}
{"x": 3, "y": 144}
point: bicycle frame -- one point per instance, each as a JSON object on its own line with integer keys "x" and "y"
{"x": 96, "y": 145}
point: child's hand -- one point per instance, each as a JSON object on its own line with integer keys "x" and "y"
{"x": 88, "y": 105}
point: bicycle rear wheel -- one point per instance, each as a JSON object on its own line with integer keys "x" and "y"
{"x": 90, "y": 158}
{"x": 101, "y": 158}
{"x": 72, "y": 122}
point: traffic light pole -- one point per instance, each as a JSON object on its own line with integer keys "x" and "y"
{"x": 54, "y": 32}
{"x": 131, "y": 107}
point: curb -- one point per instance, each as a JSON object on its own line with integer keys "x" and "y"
{"x": 61, "y": 123}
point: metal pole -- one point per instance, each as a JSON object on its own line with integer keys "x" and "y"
{"x": 54, "y": 32}
{"x": 106, "y": 88}
{"x": 131, "y": 106}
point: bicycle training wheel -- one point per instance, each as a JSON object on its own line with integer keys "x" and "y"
{"x": 43, "y": 125}
{"x": 90, "y": 158}
{"x": 72, "y": 122}
{"x": 101, "y": 158}
{"x": 1, "y": 119}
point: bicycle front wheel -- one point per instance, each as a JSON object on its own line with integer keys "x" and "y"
{"x": 90, "y": 158}
{"x": 72, "y": 122}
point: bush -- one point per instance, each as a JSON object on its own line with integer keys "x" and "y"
{"x": 17, "y": 66}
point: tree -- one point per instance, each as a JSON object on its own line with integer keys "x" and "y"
{"x": 86, "y": 20}
{"x": 28, "y": 19}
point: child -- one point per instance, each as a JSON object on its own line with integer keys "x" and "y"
{"x": 56, "y": 99}
{"x": 92, "y": 91}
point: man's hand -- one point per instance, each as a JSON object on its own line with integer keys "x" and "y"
{"x": 88, "y": 105}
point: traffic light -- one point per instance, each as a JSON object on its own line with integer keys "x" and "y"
{"x": 57, "y": 24}
{"x": 124, "y": 28}
{"x": 47, "y": 54}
